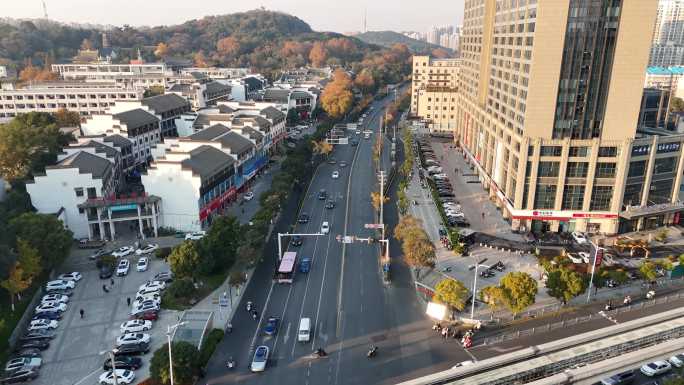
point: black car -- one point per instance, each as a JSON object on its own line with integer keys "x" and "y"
{"x": 35, "y": 344}
{"x": 488, "y": 273}
{"x": 21, "y": 375}
{"x": 303, "y": 218}
{"x": 106, "y": 271}
{"x": 296, "y": 241}
{"x": 51, "y": 315}
{"x": 460, "y": 222}
{"x": 330, "y": 205}
{"x": 165, "y": 276}
{"x": 322, "y": 195}
{"x": 123, "y": 362}
{"x": 28, "y": 353}
{"x": 446, "y": 194}
{"x": 67, "y": 292}
{"x": 38, "y": 335}
{"x": 131, "y": 350}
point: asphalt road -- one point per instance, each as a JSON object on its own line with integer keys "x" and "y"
{"x": 343, "y": 294}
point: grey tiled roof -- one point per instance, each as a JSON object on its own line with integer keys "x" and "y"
{"x": 165, "y": 103}
{"x": 253, "y": 83}
{"x": 208, "y": 161}
{"x": 118, "y": 140}
{"x": 136, "y": 118}
{"x": 277, "y": 95}
{"x": 253, "y": 134}
{"x": 216, "y": 87}
{"x": 109, "y": 151}
{"x": 222, "y": 134}
{"x": 86, "y": 163}
{"x": 210, "y": 133}
{"x": 272, "y": 113}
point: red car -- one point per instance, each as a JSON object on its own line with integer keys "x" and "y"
{"x": 147, "y": 315}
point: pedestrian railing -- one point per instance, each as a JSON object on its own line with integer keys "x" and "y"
{"x": 503, "y": 337}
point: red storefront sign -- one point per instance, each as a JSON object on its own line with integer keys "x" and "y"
{"x": 216, "y": 203}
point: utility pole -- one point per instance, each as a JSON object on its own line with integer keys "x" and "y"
{"x": 382, "y": 202}
{"x": 45, "y": 14}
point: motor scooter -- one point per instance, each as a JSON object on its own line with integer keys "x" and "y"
{"x": 230, "y": 364}
{"x": 372, "y": 352}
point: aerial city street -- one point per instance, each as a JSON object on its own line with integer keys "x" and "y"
{"x": 471, "y": 192}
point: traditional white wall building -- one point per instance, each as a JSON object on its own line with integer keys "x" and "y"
{"x": 143, "y": 75}
{"x": 167, "y": 108}
{"x": 137, "y": 125}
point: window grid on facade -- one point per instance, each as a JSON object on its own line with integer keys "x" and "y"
{"x": 573, "y": 197}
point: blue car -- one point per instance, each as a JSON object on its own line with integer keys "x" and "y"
{"x": 271, "y": 327}
{"x": 305, "y": 264}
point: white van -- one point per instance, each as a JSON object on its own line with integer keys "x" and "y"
{"x": 304, "y": 333}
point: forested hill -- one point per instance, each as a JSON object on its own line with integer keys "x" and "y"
{"x": 390, "y": 38}
{"x": 259, "y": 38}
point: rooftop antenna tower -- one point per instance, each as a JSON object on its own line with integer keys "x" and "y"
{"x": 45, "y": 15}
{"x": 365, "y": 11}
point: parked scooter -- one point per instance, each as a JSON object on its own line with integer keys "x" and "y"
{"x": 231, "y": 363}
{"x": 249, "y": 305}
{"x": 372, "y": 352}
{"x": 650, "y": 294}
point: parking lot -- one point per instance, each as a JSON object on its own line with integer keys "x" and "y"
{"x": 74, "y": 354}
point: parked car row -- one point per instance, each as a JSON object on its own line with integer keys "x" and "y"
{"x": 24, "y": 364}
{"x": 441, "y": 183}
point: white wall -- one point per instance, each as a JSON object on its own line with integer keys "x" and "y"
{"x": 56, "y": 190}
{"x": 179, "y": 191}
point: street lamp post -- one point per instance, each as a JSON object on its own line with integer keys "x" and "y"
{"x": 595, "y": 251}
{"x": 169, "y": 328}
{"x": 472, "y": 305}
{"x": 112, "y": 358}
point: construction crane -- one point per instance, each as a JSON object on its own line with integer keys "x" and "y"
{"x": 45, "y": 15}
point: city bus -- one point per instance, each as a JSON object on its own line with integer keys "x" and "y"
{"x": 285, "y": 273}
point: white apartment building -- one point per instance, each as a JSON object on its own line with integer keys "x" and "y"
{"x": 218, "y": 73}
{"x": 138, "y": 125}
{"x": 200, "y": 174}
{"x": 167, "y": 108}
{"x": 142, "y": 75}
{"x": 86, "y": 99}
{"x": 434, "y": 92}
{"x": 76, "y": 178}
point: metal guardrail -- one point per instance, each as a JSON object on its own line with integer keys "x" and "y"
{"x": 497, "y": 339}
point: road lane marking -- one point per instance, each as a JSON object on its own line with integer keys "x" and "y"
{"x": 287, "y": 332}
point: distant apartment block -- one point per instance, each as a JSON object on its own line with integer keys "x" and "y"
{"x": 218, "y": 73}
{"x": 86, "y": 99}
{"x": 667, "y": 44}
{"x": 144, "y": 75}
{"x": 434, "y": 92}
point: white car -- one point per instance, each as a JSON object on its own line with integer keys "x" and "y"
{"x": 51, "y": 306}
{"x": 142, "y": 264}
{"x": 325, "y": 228}
{"x": 196, "y": 236}
{"x": 147, "y": 296}
{"x": 656, "y": 368}
{"x": 584, "y": 255}
{"x": 144, "y": 308}
{"x": 123, "y": 251}
{"x": 123, "y": 376}
{"x": 23, "y": 363}
{"x": 59, "y": 284}
{"x": 42, "y": 324}
{"x": 154, "y": 285}
{"x": 140, "y": 303}
{"x": 335, "y": 174}
{"x": 249, "y": 196}
{"x": 260, "y": 359}
{"x": 123, "y": 267}
{"x": 575, "y": 258}
{"x": 136, "y": 325}
{"x": 144, "y": 291}
{"x": 55, "y": 298}
{"x": 677, "y": 360}
{"x": 454, "y": 213}
{"x": 132, "y": 338}
{"x": 73, "y": 276}
{"x": 147, "y": 249}
{"x": 579, "y": 237}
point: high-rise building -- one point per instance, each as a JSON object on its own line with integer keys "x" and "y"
{"x": 549, "y": 98}
{"x": 667, "y": 47}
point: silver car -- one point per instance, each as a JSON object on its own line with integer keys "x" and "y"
{"x": 260, "y": 359}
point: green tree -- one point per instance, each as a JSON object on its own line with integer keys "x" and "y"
{"x": 452, "y": 293}
{"x": 16, "y": 282}
{"x": 564, "y": 284}
{"x": 520, "y": 291}
{"x": 674, "y": 380}
{"x": 647, "y": 270}
{"x": 28, "y": 258}
{"x": 46, "y": 234}
{"x": 186, "y": 364}
{"x": 248, "y": 256}
{"x": 236, "y": 279}
{"x": 29, "y": 142}
{"x": 494, "y": 297}
{"x": 184, "y": 260}
{"x": 223, "y": 239}
{"x": 292, "y": 117}
{"x": 677, "y": 104}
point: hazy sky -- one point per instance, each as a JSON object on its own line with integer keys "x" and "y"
{"x": 322, "y": 15}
